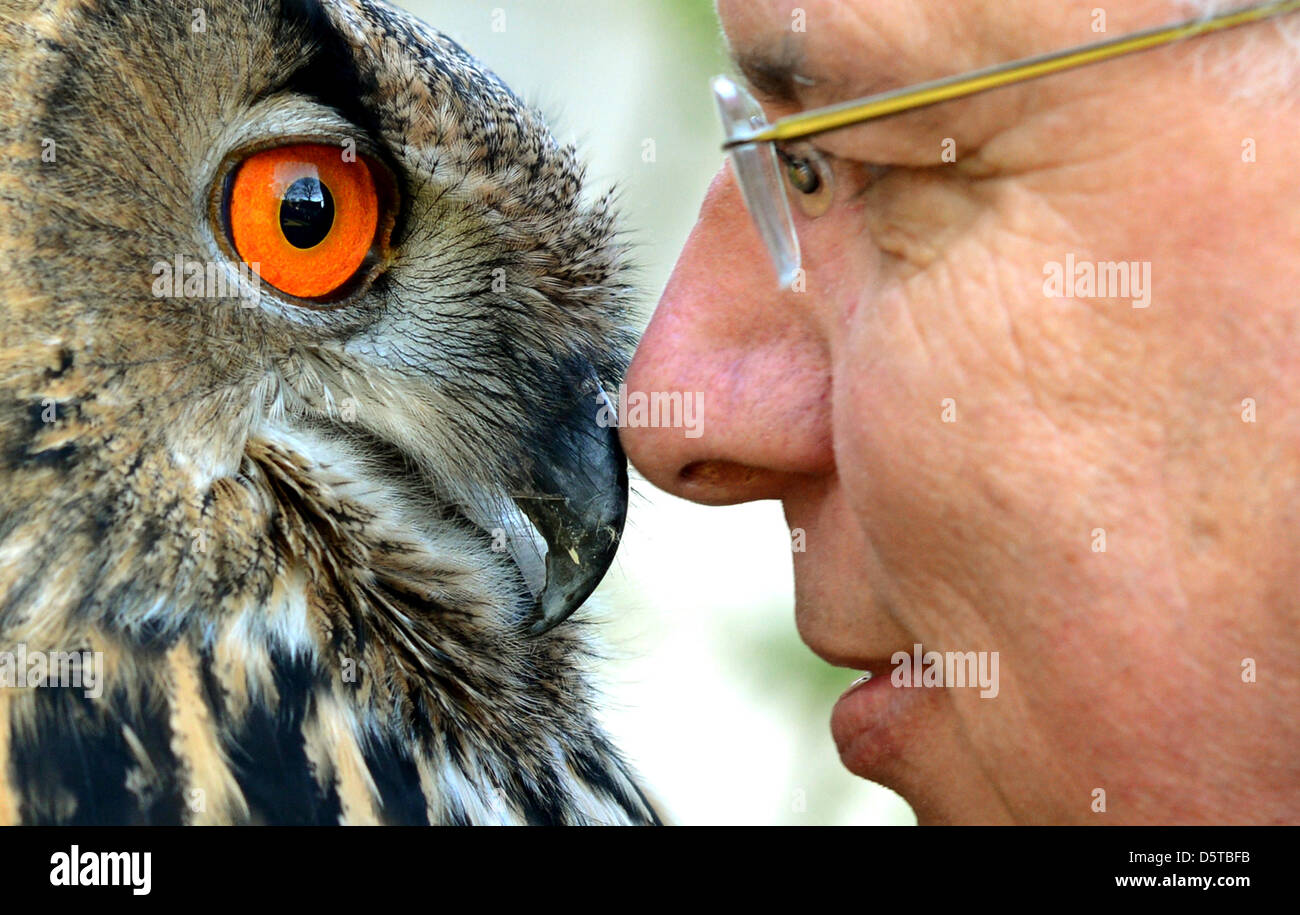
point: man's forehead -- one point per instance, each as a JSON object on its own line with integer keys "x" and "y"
{"x": 820, "y": 51}
{"x": 798, "y": 50}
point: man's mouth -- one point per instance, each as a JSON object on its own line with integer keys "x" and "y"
{"x": 865, "y": 678}
{"x": 870, "y": 721}
{"x": 867, "y": 670}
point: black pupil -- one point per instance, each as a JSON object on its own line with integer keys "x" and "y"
{"x": 306, "y": 213}
{"x": 804, "y": 176}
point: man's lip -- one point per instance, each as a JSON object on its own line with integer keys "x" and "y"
{"x": 853, "y": 662}
{"x": 869, "y": 722}
{"x": 868, "y": 677}
{"x": 873, "y": 672}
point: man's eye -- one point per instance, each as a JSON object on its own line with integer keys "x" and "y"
{"x": 809, "y": 173}
{"x": 802, "y": 176}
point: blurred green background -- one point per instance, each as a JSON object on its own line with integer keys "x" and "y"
{"x": 709, "y": 691}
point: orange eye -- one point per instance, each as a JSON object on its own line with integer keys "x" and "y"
{"x": 303, "y": 217}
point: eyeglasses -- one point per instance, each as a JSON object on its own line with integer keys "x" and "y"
{"x": 764, "y": 162}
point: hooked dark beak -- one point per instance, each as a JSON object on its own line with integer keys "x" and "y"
{"x": 579, "y": 504}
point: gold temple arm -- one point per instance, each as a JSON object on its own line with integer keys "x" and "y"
{"x": 897, "y": 101}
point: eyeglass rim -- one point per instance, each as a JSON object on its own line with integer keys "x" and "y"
{"x": 786, "y": 260}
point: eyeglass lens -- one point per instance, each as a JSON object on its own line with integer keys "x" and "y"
{"x": 758, "y": 172}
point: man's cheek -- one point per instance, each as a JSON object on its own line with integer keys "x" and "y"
{"x": 949, "y": 471}
{"x": 899, "y": 456}
{"x": 918, "y": 217}
{"x": 908, "y": 411}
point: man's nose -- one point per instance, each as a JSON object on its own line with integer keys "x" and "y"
{"x": 750, "y": 355}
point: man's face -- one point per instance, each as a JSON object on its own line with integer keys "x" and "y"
{"x": 1100, "y": 484}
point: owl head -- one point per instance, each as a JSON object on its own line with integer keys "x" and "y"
{"x": 315, "y": 222}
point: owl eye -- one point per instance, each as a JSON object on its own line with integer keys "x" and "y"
{"x": 304, "y": 216}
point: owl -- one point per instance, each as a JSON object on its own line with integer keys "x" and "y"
{"x": 305, "y": 323}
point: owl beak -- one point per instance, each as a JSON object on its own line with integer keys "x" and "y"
{"x": 579, "y": 509}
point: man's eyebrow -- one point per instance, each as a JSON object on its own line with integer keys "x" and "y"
{"x": 775, "y": 73}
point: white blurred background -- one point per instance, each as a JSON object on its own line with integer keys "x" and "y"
{"x": 710, "y": 693}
